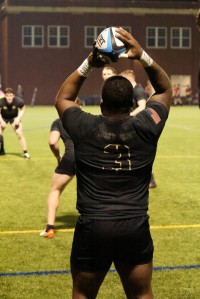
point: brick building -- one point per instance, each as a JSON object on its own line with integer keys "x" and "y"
{"x": 41, "y": 42}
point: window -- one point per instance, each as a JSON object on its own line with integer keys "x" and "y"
{"x": 33, "y": 36}
{"x": 91, "y": 33}
{"x": 156, "y": 37}
{"x": 180, "y": 38}
{"x": 58, "y": 36}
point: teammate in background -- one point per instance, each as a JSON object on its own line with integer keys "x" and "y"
{"x": 114, "y": 157}
{"x": 108, "y": 71}
{"x": 139, "y": 97}
{"x": 63, "y": 174}
{"x": 11, "y": 111}
{"x": 138, "y": 92}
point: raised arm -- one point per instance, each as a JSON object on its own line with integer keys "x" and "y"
{"x": 69, "y": 90}
{"x": 157, "y": 76}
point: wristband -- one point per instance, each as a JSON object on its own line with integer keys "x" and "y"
{"x": 84, "y": 69}
{"x": 145, "y": 59}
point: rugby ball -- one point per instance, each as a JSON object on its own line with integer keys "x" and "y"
{"x": 109, "y": 45}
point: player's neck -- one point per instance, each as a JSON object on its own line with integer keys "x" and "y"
{"x": 118, "y": 115}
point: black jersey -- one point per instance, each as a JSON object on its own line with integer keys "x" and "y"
{"x": 138, "y": 94}
{"x": 10, "y": 111}
{"x": 57, "y": 126}
{"x": 114, "y": 160}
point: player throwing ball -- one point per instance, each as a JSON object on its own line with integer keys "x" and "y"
{"x": 114, "y": 154}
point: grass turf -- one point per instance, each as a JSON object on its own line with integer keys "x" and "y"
{"x": 174, "y": 213}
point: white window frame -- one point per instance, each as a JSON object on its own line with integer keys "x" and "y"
{"x": 97, "y": 30}
{"x": 33, "y": 36}
{"x": 58, "y": 36}
{"x": 181, "y": 37}
{"x": 156, "y": 38}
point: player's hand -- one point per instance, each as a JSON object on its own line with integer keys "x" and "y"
{"x": 2, "y": 124}
{"x": 16, "y": 122}
{"x": 97, "y": 60}
{"x": 134, "y": 50}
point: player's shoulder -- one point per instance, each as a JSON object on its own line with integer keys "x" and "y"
{"x": 56, "y": 125}
{"x": 78, "y": 113}
{"x": 156, "y": 105}
{"x": 2, "y": 102}
{"x": 56, "y": 121}
{"x": 156, "y": 111}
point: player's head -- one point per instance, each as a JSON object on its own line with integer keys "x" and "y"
{"x": 108, "y": 71}
{"x": 117, "y": 95}
{"x": 128, "y": 74}
{"x": 9, "y": 94}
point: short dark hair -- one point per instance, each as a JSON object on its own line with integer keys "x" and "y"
{"x": 117, "y": 94}
{"x": 9, "y": 90}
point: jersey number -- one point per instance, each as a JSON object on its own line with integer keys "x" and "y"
{"x": 121, "y": 156}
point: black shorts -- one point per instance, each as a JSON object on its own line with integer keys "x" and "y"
{"x": 67, "y": 164}
{"x": 10, "y": 120}
{"x": 98, "y": 243}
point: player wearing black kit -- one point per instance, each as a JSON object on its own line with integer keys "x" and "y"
{"x": 68, "y": 157}
{"x": 139, "y": 104}
{"x": 114, "y": 154}
{"x": 63, "y": 174}
{"x": 11, "y": 111}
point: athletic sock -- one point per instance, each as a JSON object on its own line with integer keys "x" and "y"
{"x": 48, "y": 227}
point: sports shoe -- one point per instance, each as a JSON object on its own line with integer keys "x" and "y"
{"x": 27, "y": 156}
{"x": 152, "y": 185}
{"x": 50, "y": 234}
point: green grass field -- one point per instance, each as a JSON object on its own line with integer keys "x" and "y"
{"x": 28, "y": 262}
